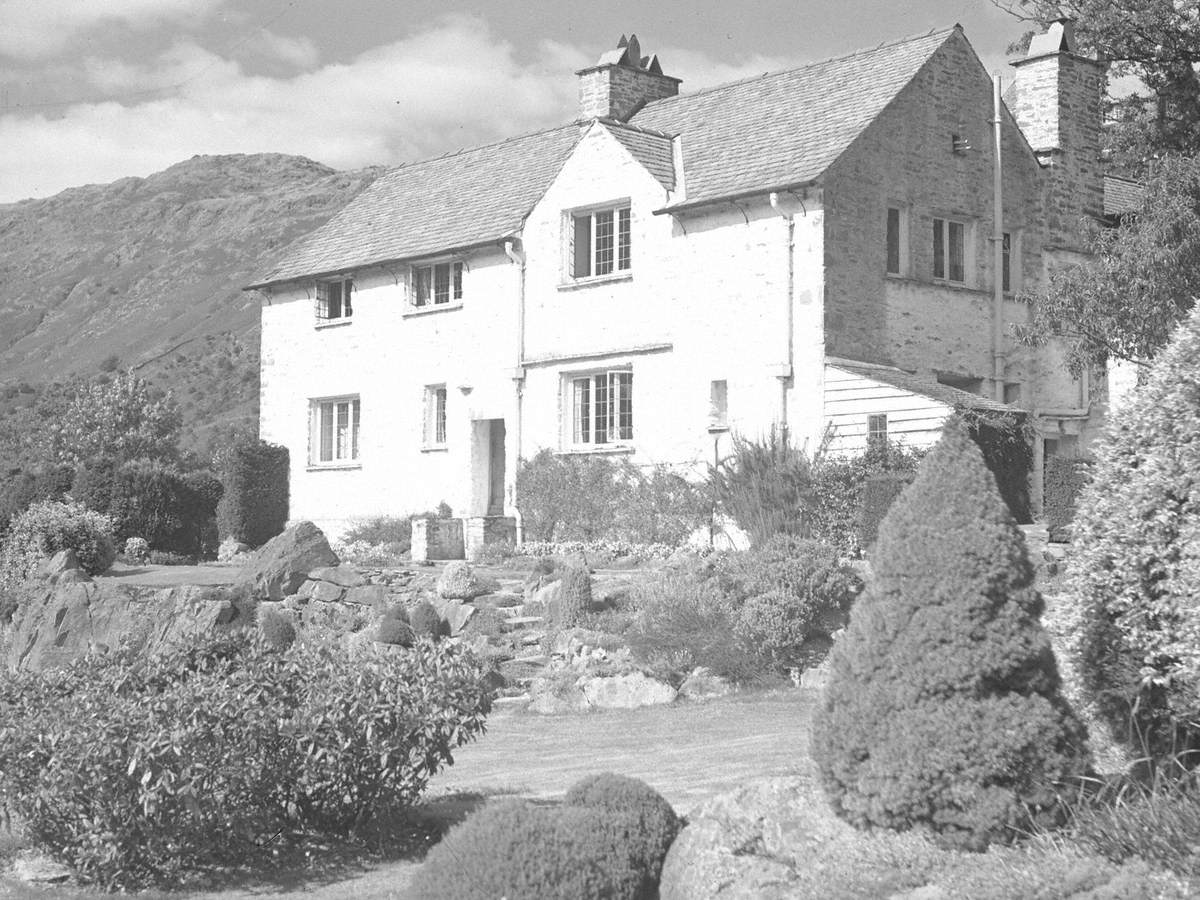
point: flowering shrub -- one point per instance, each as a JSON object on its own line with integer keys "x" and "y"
{"x": 133, "y": 770}
{"x": 137, "y": 549}
{"x": 616, "y": 549}
{"x": 48, "y": 527}
{"x": 360, "y": 553}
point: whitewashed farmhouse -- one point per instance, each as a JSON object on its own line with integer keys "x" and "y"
{"x": 806, "y": 247}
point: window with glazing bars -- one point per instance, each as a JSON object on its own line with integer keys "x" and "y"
{"x": 437, "y": 284}
{"x": 602, "y": 408}
{"x": 337, "y": 425}
{"x": 949, "y": 250}
{"x": 333, "y": 299}
{"x": 601, "y": 242}
{"x": 435, "y": 415}
{"x": 877, "y": 430}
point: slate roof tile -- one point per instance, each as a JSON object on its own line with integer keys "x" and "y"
{"x": 1122, "y": 195}
{"x": 650, "y": 148}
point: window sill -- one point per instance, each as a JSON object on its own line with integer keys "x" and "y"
{"x": 410, "y": 311}
{"x": 435, "y": 448}
{"x": 936, "y": 283}
{"x": 333, "y": 323}
{"x": 598, "y": 450}
{"x": 577, "y": 283}
{"x": 333, "y": 467}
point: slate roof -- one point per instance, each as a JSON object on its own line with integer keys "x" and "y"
{"x": 651, "y": 148}
{"x": 907, "y": 381}
{"x": 450, "y": 202}
{"x": 784, "y": 128}
{"x": 756, "y": 135}
{"x": 1122, "y": 195}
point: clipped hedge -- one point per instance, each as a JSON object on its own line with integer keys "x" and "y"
{"x": 593, "y": 847}
{"x": 943, "y": 707}
{"x": 254, "y": 505}
{"x": 134, "y": 770}
{"x": 1064, "y": 480}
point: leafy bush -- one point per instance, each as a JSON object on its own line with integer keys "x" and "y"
{"x": 1065, "y": 477}
{"x": 393, "y": 531}
{"x": 575, "y": 596}
{"x": 683, "y": 622}
{"x": 133, "y": 769}
{"x": 170, "y": 558}
{"x": 588, "y": 848}
{"x": 838, "y": 483}
{"x": 879, "y": 492}
{"x": 395, "y": 632}
{"x": 943, "y": 707}
{"x": 48, "y": 527}
{"x": 94, "y": 483}
{"x": 137, "y": 549}
{"x": 593, "y": 497}
{"x": 426, "y": 621}
{"x": 23, "y": 489}
{"x": 1134, "y": 573}
{"x": 765, "y": 486}
{"x": 147, "y": 500}
{"x": 254, "y": 505}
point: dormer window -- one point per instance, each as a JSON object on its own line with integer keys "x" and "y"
{"x": 601, "y": 242}
{"x": 437, "y": 284}
{"x": 333, "y": 300}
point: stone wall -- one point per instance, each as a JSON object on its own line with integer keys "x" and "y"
{"x": 435, "y": 538}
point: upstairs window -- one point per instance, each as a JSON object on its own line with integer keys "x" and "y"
{"x": 437, "y": 284}
{"x": 949, "y": 251}
{"x": 336, "y": 424}
{"x": 601, "y": 242}
{"x": 718, "y": 404}
{"x": 602, "y": 408}
{"x": 1010, "y": 263}
{"x": 435, "y": 416}
{"x": 333, "y": 299}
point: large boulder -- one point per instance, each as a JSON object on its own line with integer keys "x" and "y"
{"x": 54, "y": 625}
{"x": 758, "y": 842}
{"x": 459, "y": 581}
{"x": 62, "y": 561}
{"x": 626, "y": 691}
{"x": 280, "y": 566}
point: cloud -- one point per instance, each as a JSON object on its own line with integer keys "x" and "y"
{"x": 39, "y": 28}
{"x": 299, "y": 52}
{"x": 452, "y": 85}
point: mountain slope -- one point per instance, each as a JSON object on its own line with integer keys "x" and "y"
{"x": 147, "y": 272}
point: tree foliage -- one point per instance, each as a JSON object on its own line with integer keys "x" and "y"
{"x": 122, "y": 417}
{"x": 1142, "y": 279}
{"x": 1157, "y": 42}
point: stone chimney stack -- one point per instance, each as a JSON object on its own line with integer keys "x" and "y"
{"x": 622, "y": 82}
{"x": 1056, "y": 100}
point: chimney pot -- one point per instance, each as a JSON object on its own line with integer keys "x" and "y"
{"x": 622, "y": 82}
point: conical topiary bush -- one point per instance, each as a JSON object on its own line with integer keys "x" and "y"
{"x": 943, "y": 706}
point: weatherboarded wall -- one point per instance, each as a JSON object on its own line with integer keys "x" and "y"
{"x": 850, "y": 399}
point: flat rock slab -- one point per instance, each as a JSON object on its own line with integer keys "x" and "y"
{"x": 38, "y": 869}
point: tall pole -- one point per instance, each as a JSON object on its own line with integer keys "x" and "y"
{"x": 997, "y": 248}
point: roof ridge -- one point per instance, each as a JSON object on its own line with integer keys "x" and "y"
{"x": 808, "y": 65}
{"x": 617, "y": 123}
{"x": 450, "y": 154}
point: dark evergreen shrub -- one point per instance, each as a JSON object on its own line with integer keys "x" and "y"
{"x": 943, "y": 708}
{"x": 618, "y": 798}
{"x": 1008, "y": 454}
{"x": 590, "y": 848}
{"x": 395, "y": 632}
{"x": 25, "y": 488}
{"x": 1065, "y": 478}
{"x": 201, "y": 495}
{"x": 276, "y": 628}
{"x": 1134, "y": 570}
{"x": 426, "y": 621}
{"x": 879, "y": 492}
{"x": 575, "y": 597}
{"x": 148, "y": 502}
{"x": 254, "y": 505}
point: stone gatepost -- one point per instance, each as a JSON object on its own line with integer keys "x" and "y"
{"x": 435, "y": 538}
{"x": 482, "y": 530}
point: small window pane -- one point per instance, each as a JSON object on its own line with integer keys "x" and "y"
{"x": 718, "y": 408}
{"x": 956, "y": 252}
{"x": 347, "y": 309}
{"x": 877, "y": 431}
{"x": 354, "y": 410}
{"x": 623, "y": 239}
{"x": 582, "y": 410}
{"x": 439, "y": 430}
{"x": 441, "y": 283}
{"x": 325, "y": 425}
{"x": 458, "y": 269}
{"x": 624, "y": 405}
{"x": 604, "y": 242}
{"x": 939, "y": 248}
{"x": 602, "y": 417}
{"x": 1006, "y": 262}
{"x": 582, "y": 246}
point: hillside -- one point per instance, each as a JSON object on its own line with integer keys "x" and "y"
{"x": 147, "y": 272}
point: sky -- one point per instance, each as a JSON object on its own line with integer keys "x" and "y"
{"x": 96, "y": 90}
